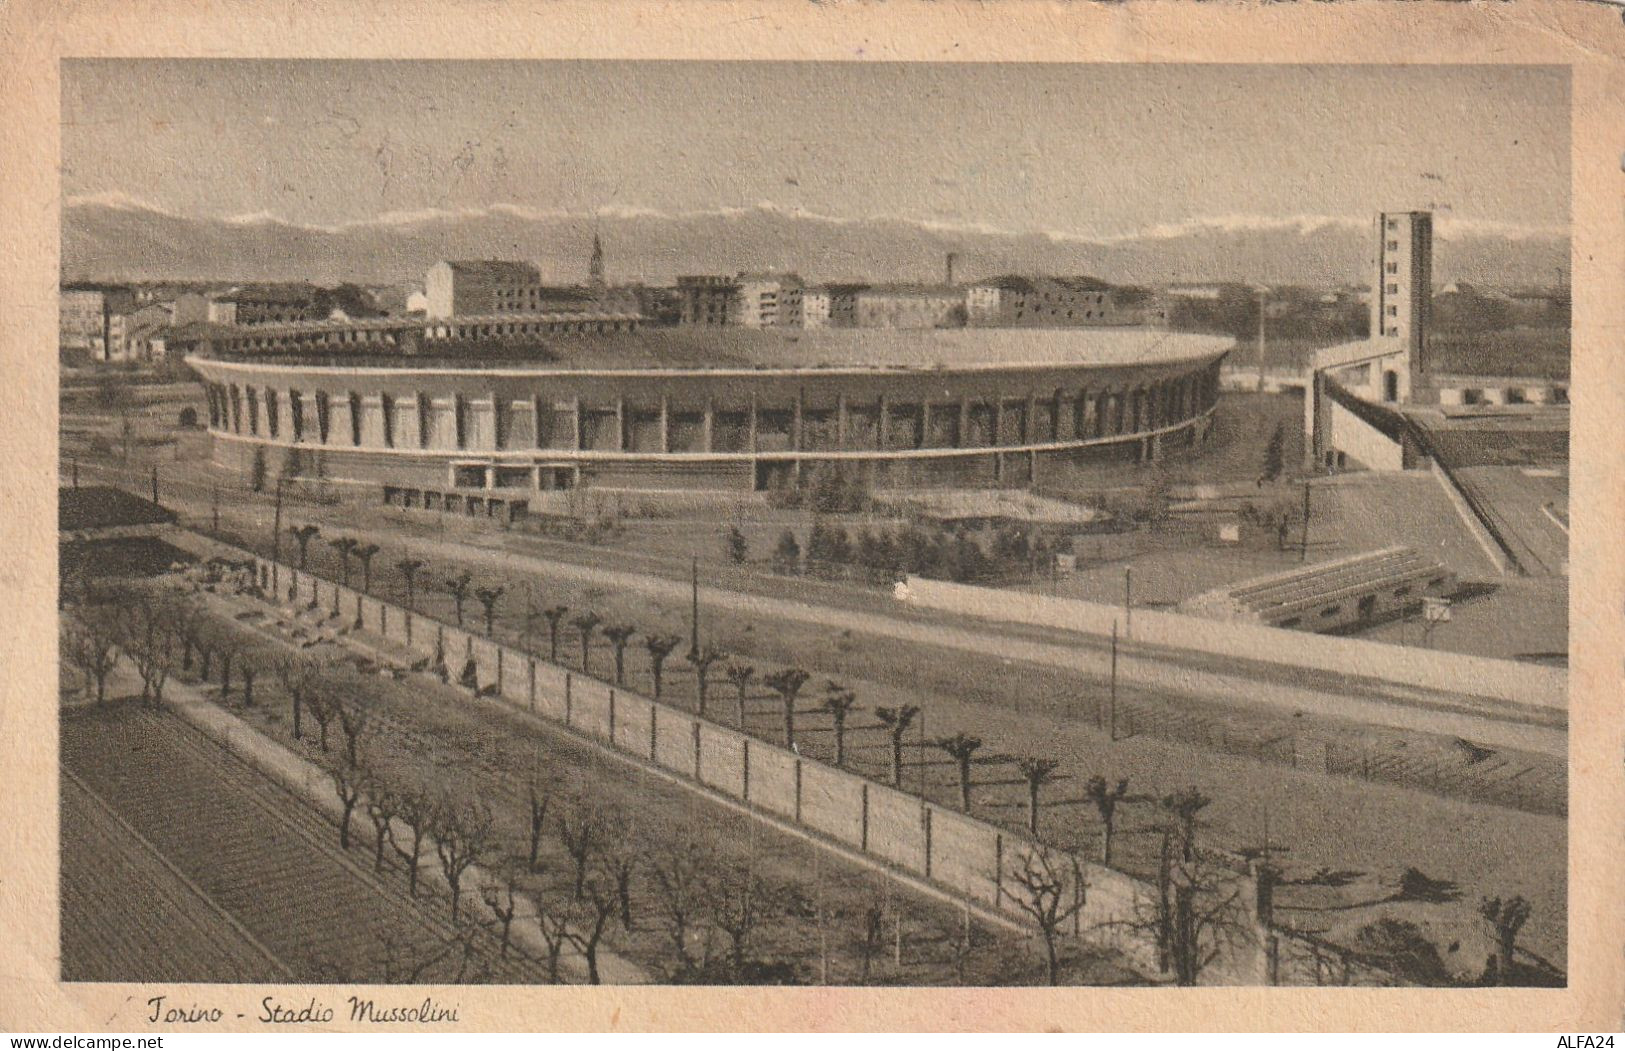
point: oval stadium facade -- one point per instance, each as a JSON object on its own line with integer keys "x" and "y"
{"x": 511, "y": 404}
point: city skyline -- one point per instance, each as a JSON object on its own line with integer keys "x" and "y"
{"x": 1086, "y": 152}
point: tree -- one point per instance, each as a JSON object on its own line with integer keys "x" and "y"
{"x": 347, "y": 782}
{"x": 416, "y": 807}
{"x": 539, "y": 796}
{"x": 488, "y": 600}
{"x": 1196, "y": 914}
{"x": 249, "y": 670}
{"x": 1035, "y": 771}
{"x": 297, "y": 674}
{"x": 659, "y": 647}
{"x": 787, "y": 555}
{"x": 464, "y": 831}
{"x": 962, "y": 748}
{"x": 555, "y": 927}
{"x": 595, "y": 907}
{"x": 839, "y": 702}
{"x": 503, "y": 908}
{"x": 702, "y": 661}
{"x": 741, "y": 675}
{"x": 585, "y": 623}
{"x": 738, "y": 548}
{"x": 678, "y": 873}
{"x": 739, "y": 902}
{"x": 897, "y": 721}
{"x": 581, "y": 828}
{"x": 89, "y": 643}
{"x": 382, "y": 804}
{"x": 365, "y": 553}
{"x": 409, "y": 568}
{"x": 322, "y": 708}
{"x": 554, "y": 615}
{"x": 457, "y": 587}
{"x": 1106, "y": 799}
{"x": 1505, "y": 919}
{"x": 787, "y": 683}
{"x": 353, "y": 720}
{"x": 302, "y": 535}
{"x": 345, "y": 546}
{"x": 1042, "y": 891}
{"x": 1275, "y": 454}
{"x": 619, "y": 635}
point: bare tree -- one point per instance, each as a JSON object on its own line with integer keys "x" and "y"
{"x": 787, "y": 683}
{"x": 619, "y": 860}
{"x": 582, "y": 829}
{"x": 1043, "y": 892}
{"x": 1505, "y": 919}
{"x": 1035, "y": 771}
{"x": 741, "y": 675}
{"x": 839, "y": 702}
{"x": 345, "y": 546}
{"x": 457, "y": 588}
{"x": 619, "y": 635}
{"x": 678, "y": 873}
{"x": 464, "y": 832}
{"x": 554, "y": 615}
{"x": 382, "y": 804}
{"x": 249, "y": 670}
{"x": 740, "y": 901}
{"x": 409, "y": 568}
{"x": 502, "y": 900}
{"x": 586, "y": 623}
{"x": 416, "y": 807}
{"x": 489, "y": 597}
{"x": 963, "y": 749}
{"x": 354, "y": 717}
{"x": 702, "y": 661}
{"x": 365, "y": 553}
{"x": 322, "y": 708}
{"x": 897, "y": 721}
{"x": 595, "y": 909}
{"x": 659, "y": 647}
{"x": 347, "y": 782}
{"x": 302, "y": 535}
{"x": 539, "y": 794}
{"x": 89, "y": 642}
{"x": 554, "y": 923}
{"x": 297, "y": 674}
{"x": 1106, "y": 797}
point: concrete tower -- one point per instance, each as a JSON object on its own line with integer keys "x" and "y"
{"x": 1402, "y": 296}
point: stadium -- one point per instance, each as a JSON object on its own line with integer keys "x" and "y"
{"x": 486, "y": 411}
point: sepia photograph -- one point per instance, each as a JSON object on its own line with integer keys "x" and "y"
{"x": 804, "y": 523}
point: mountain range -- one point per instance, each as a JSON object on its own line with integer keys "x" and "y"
{"x": 112, "y": 237}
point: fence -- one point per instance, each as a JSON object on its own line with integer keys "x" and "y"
{"x": 969, "y": 857}
{"x": 1524, "y": 685}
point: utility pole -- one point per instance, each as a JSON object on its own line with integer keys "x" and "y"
{"x": 276, "y": 526}
{"x": 1303, "y": 548}
{"x": 1128, "y": 602}
{"x": 694, "y": 609}
{"x": 1112, "y": 712}
{"x": 1262, "y": 292}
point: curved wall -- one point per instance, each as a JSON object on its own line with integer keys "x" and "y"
{"x": 541, "y": 428}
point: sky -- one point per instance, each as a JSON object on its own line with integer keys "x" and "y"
{"x": 1090, "y": 150}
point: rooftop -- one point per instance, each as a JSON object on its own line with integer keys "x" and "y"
{"x": 740, "y": 348}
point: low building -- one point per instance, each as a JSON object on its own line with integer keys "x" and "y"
{"x": 909, "y": 306}
{"x": 706, "y": 299}
{"x": 1331, "y": 596}
{"x": 759, "y": 298}
{"x": 264, "y": 305}
{"x": 84, "y": 313}
{"x": 1042, "y": 301}
{"x": 814, "y": 308}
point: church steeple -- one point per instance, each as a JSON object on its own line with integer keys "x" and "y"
{"x": 595, "y": 269}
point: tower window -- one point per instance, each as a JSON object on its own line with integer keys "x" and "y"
{"x": 1393, "y": 246}
{"x": 1393, "y": 268}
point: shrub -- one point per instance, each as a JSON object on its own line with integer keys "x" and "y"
{"x": 787, "y": 553}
